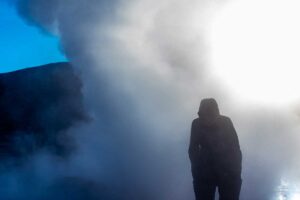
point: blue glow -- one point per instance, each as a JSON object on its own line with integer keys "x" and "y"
{"x": 22, "y": 45}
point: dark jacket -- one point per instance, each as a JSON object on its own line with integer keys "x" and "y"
{"x": 214, "y": 145}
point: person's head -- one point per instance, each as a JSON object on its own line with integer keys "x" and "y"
{"x": 208, "y": 110}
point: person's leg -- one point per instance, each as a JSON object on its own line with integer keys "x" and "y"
{"x": 229, "y": 188}
{"x": 204, "y": 190}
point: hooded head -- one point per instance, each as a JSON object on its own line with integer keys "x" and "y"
{"x": 208, "y": 111}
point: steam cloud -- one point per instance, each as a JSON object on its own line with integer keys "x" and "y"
{"x": 144, "y": 69}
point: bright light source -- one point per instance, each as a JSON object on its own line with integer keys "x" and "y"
{"x": 287, "y": 191}
{"x": 295, "y": 196}
{"x": 280, "y": 197}
{"x": 255, "y": 50}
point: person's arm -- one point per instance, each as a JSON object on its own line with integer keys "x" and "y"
{"x": 235, "y": 146}
{"x": 234, "y": 138}
{"x": 194, "y": 145}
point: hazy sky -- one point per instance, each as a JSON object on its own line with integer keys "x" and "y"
{"x": 22, "y": 45}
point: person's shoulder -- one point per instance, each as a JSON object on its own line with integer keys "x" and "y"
{"x": 195, "y": 120}
{"x": 225, "y": 119}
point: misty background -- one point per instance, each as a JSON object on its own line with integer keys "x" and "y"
{"x": 143, "y": 68}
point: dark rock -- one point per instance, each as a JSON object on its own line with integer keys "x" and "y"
{"x": 37, "y": 106}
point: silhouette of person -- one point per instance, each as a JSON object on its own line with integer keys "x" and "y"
{"x": 214, "y": 151}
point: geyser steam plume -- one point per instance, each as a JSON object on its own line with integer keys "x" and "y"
{"x": 144, "y": 69}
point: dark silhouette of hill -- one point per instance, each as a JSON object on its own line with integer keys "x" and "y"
{"x": 37, "y": 106}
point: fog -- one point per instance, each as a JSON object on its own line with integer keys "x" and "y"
{"x": 145, "y": 67}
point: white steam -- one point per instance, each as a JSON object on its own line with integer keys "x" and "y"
{"x": 144, "y": 66}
